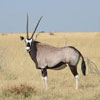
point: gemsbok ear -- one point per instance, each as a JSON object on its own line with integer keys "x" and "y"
{"x": 21, "y": 38}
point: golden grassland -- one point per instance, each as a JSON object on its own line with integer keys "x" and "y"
{"x": 20, "y": 80}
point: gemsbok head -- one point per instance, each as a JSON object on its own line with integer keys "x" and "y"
{"x": 28, "y": 39}
{"x": 49, "y": 57}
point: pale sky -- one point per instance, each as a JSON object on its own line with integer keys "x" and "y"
{"x": 58, "y": 15}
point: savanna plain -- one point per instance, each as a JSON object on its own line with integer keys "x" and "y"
{"x": 20, "y": 80}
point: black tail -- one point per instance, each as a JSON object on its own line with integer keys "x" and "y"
{"x": 83, "y": 66}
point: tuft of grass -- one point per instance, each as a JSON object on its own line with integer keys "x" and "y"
{"x": 22, "y": 90}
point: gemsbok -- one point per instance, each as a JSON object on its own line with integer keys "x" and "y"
{"x": 49, "y": 57}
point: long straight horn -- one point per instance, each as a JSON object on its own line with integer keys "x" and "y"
{"x": 36, "y": 27}
{"x": 27, "y": 28}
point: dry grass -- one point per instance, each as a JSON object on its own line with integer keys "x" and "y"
{"x": 20, "y": 80}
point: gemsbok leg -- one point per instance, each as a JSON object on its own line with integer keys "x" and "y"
{"x": 44, "y": 77}
{"x": 74, "y": 71}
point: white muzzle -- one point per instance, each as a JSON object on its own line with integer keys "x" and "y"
{"x": 28, "y": 49}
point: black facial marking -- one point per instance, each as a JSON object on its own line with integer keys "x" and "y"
{"x": 28, "y": 45}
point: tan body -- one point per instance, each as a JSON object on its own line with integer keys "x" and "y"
{"x": 49, "y": 56}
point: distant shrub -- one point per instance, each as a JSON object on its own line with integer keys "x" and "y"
{"x": 42, "y": 32}
{"x": 51, "y": 33}
{"x": 3, "y": 34}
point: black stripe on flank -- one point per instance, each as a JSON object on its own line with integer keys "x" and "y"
{"x": 58, "y": 66}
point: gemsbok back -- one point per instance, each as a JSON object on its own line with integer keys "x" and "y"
{"x": 50, "y": 57}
